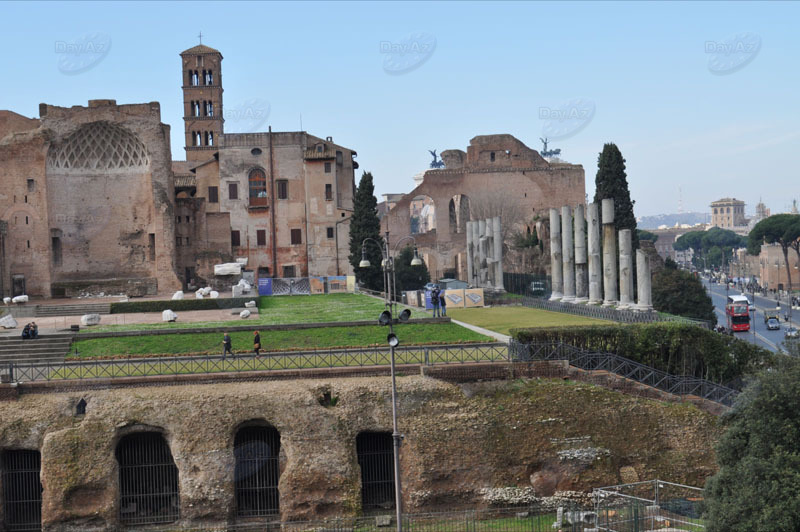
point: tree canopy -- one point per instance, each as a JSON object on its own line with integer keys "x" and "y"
{"x": 646, "y": 235}
{"x": 781, "y": 229}
{"x": 611, "y": 181}
{"x": 759, "y": 457}
{"x": 715, "y": 246}
{"x": 681, "y": 293}
{"x": 365, "y": 224}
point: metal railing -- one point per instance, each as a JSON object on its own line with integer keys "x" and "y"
{"x": 298, "y": 360}
{"x": 608, "y": 313}
{"x": 376, "y": 357}
{"x": 535, "y": 518}
{"x": 624, "y": 367}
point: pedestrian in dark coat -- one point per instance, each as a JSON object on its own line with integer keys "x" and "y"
{"x": 226, "y": 344}
{"x": 256, "y": 342}
{"x": 442, "y": 303}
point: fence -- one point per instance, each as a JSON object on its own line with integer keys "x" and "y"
{"x": 648, "y": 505}
{"x": 521, "y": 519}
{"x": 591, "y": 361}
{"x": 375, "y": 357}
{"x": 607, "y": 313}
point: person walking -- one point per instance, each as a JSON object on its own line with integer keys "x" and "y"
{"x": 442, "y": 304}
{"x": 256, "y": 342}
{"x": 435, "y": 301}
{"x": 226, "y": 344}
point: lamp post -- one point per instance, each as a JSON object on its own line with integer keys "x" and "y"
{"x": 387, "y": 317}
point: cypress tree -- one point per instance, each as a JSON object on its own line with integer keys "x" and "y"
{"x": 612, "y": 182}
{"x": 365, "y": 224}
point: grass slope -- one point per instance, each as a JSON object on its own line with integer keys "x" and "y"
{"x": 277, "y": 310}
{"x": 502, "y": 319}
{"x": 328, "y": 337}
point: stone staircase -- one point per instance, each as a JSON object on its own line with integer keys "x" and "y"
{"x": 47, "y": 348}
{"x": 46, "y": 311}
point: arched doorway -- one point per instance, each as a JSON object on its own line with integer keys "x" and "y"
{"x": 256, "y": 450}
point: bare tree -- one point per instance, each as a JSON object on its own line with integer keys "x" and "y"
{"x": 490, "y": 203}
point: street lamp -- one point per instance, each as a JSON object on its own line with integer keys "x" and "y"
{"x": 387, "y": 317}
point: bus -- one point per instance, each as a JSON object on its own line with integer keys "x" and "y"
{"x": 737, "y": 312}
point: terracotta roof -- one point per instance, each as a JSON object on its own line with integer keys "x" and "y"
{"x": 200, "y": 49}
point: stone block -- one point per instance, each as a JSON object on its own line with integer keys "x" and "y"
{"x": 177, "y": 295}
{"x": 383, "y": 520}
{"x": 244, "y": 314}
{"x": 213, "y": 294}
{"x": 90, "y": 319}
{"x": 250, "y": 304}
{"x": 20, "y": 299}
{"x": 168, "y": 315}
{"x": 199, "y": 294}
{"x": 236, "y": 290}
{"x": 7, "y": 300}
{"x": 8, "y": 322}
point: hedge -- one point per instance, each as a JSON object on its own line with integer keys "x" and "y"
{"x": 180, "y": 304}
{"x": 677, "y": 348}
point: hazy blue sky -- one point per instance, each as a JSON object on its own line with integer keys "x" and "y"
{"x": 698, "y": 96}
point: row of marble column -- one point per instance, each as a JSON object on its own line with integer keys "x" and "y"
{"x": 579, "y": 275}
{"x": 485, "y": 253}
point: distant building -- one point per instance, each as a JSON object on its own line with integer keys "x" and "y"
{"x": 728, "y": 213}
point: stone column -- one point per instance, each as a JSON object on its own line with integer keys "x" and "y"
{"x": 567, "y": 254}
{"x": 482, "y": 272}
{"x": 643, "y": 282}
{"x": 595, "y": 264}
{"x": 557, "y": 280}
{"x": 581, "y": 267}
{"x": 476, "y": 266}
{"x": 625, "y": 269}
{"x": 498, "y": 254}
{"x": 469, "y": 253}
{"x": 609, "y": 255}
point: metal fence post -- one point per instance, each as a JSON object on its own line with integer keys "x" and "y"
{"x": 427, "y": 360}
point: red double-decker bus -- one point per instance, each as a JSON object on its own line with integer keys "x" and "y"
{"x": 737, "y": 312}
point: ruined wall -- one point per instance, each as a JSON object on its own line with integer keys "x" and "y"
{"x": 25, "y": 253}
{"x": 110, "y": 193}
{"x": 465, "y": 446}
{"x": 495, "y": 169}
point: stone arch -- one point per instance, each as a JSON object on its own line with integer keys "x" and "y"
{"x": 149, "y": 491}
{"x": 100, "y": 147}
{"x": 376, "y": 461}
{"x": 256, "y": 450}
{"x": 459, "y": 212}
{"x": 422, "y": 215}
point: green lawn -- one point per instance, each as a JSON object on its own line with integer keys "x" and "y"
{"x": 321, "y": 338}
{"x": 276, "y": 310}
{"x": 502, "y": 319}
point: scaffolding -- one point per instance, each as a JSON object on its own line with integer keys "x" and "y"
{"x": 652, "y": 505}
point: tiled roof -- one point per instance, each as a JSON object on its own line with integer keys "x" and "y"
{"x": 201, "y": 49}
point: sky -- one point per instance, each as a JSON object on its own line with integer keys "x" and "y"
{"x": 701, "y": 98}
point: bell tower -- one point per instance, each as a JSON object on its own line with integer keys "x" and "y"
{"x": 202, "y": 101}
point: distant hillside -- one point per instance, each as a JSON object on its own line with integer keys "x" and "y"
{"x": 690, "y": 218}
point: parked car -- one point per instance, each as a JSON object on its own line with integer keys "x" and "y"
{"x": 773, "y": 324}
{"x": 791, "y": 332}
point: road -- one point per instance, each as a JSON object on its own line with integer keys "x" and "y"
{"x": 758, "y": 333}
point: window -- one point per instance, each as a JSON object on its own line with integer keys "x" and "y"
{"x": 178, "y": 241}
{"x": 56, "y": 244}
{"x": 187, "y": 240}
{"x": 338, "y": 157}
{"x": 213, "y": 195}
{"x": 288, "y": 271}
{"x": 235, "y": 241}
{"x": 261, "y": 237}
{"x": 233, "y": 191}
{"x": 258, "y": 187}
{"x": 376, "y": 460}
{"x": 283, "y": 189}
{"x": 152, "y": 246}
{"x": 256, "y": 471}
{"x": 327, "y": 168}
{"x": 177, "y": 219}
{"x": 31, "y": 185}
{"x": 256, "y": 151}
{"x": 491, "y": 156}
{"x": 328, "y": 192}
{"x": 297, "y": 237}
{"x": 22, "y": 490}
{"x": 263, "y": 271}
{"x": 330, "y": 232}
{"x": 148, "y": 480}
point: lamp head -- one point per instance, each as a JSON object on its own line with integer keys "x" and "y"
{"x": 385, "y": 318}
{"x": 364, "y": 262}
{"x": 392, "y": 340}
{"x": 405, "y": 315}
{"x": 416, "y": 261}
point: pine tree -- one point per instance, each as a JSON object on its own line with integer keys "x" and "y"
{"x": 409, "y": 277}
{"x": 612, "y": 182}
{"x": 365, "y": 224}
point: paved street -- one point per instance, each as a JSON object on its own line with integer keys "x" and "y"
{"x": 758, "y": 333}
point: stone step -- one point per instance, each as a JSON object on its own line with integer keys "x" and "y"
{"x": 72, "y": 310}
